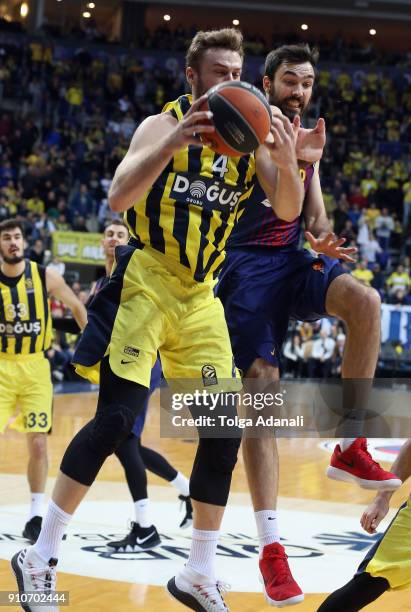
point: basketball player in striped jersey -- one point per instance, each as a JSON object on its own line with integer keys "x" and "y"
{"x": 160, "y": 298}
{"x": 25, "y": 335}
{"x": 266, "y": 280}
{"x": 387, "y": 565}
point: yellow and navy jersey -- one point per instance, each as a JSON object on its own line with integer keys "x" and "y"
{"x": 25, "y": 323}
{"x": 189, "y": 212}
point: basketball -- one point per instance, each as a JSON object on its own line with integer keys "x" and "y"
{"x": 241, "y": 117}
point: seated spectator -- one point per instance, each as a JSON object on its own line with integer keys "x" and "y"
{"x": 384, "y": 226}
{"x": 371, "y": 213}
{"x": 370, "y": 250}
{"x": 367, "y": 184}
{"x": 320, "y": 362}
{"x": 36, "y": 253}
{"x": 294, "y": 354}
{"x": 398, "y": 280}
{"x": 348, "y": 233}
{"x": 363, "y": 273}
{"x": 57, "y": 265}
{"x": 338, "y": 355}
{"x": 354, "y": 215}
{"x": 399, "y": 298}
{"x": 356, "y": 197}
{"x": 378, "y": 282}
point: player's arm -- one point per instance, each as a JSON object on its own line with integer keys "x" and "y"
{"x": 153, "y": 145}
{"x": 57, "y": 287}
{"x": 379, "y": 507}
{"x": 277, "y": 170}
{"x": 318, "y": 228}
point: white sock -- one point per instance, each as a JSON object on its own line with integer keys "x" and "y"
{"x": 36, "y": 506}
{"x": 267, "y": 527}
{"x": 52, "y": 531}
{"x": 141, "y": 507}
{"x": 203, "y": 551}
{"x": 346, "y": 442}
{"x": 182, "y": 484}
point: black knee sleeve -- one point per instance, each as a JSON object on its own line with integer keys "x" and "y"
{"x": 212, "y": 470}
{"x": 111, "y": 427}
{"x": 119, "y": 403}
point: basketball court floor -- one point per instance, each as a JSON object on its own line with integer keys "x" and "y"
{"x": 319, "y": 523}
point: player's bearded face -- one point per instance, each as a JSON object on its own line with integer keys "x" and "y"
{"x": 12, "y": 247}
{"x": 291, "y": 89}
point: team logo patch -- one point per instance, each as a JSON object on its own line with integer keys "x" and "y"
{"x": 318, "y": 266}
{"x": 209, "y": 375}
{"x": 20, "y": 328}
{"x": 130, "y": 350}
{"x": 29, "y": 284}
{"x": 207, "y": 193}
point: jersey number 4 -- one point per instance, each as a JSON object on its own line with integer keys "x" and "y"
{"x": 220, "y": 165}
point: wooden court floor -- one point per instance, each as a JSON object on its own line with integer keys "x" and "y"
{"x": 303, "y": 485}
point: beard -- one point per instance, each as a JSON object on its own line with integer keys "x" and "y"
{"x": 15, "y": 259}
{"x": 282, "y": 105}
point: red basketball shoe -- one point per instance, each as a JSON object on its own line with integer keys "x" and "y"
{"x": 355, "y": 464}
{"x": 280, "y": 588}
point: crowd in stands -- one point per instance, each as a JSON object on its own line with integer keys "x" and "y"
{"x": 66, "y": 124}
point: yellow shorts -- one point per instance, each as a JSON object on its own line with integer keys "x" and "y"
{"x": 27, "y": 392}
{"x": 391, "y": 557}
{"x": 160, "y": 308}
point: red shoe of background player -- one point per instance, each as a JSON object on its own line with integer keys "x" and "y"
{"x": 280, "y": 588}
{"x": 355, "y": 464}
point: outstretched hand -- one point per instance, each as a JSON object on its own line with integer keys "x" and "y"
{"x": 374, "y": 513}
{"x": 310, "y": 143}
{"x": 331, "y": 246}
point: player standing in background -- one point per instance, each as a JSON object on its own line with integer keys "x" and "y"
{"x": 387, "y": 565}
{"x": 25, "y": 335}
{"x": 267, "y": 279}
{"x": 160, "y": 297}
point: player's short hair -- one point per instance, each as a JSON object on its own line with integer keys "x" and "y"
{"x": 292, "y": 54}
{"x": 10, "y": 224}
{"x": 226, "y": 38}
{"x": 115, "y": 222}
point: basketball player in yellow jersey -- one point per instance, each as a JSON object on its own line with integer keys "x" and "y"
{"x": 387, "y": 565}
{"x": 25, "y": 334}
{"x": 160, "y": 298}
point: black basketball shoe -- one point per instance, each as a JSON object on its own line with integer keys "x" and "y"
{"x": 32, "y": 529}
{"x": 188, "y": 517}
{"x": 139, "y": 538}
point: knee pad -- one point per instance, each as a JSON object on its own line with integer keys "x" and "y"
{"x": 111, "y": 427}
{"x": 220, "y": 454}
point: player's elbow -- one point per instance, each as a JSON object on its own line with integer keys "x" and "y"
{"x": 287, "y": 216}
{"x": 115, "y": 202}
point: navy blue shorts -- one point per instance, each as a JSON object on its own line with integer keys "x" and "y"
{"x": 262, "y": 288}
{"x": 156, "y": 373}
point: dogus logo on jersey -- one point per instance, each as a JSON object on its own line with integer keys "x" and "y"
{"x": 25, "y": 328}
{"x": 207, "y": 193}
{"x": 209, "y": 375}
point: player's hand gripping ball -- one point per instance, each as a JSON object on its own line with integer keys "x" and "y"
{"x": 241, "y": 117}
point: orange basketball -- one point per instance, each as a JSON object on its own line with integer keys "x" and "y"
{"x": 241, "y": 117}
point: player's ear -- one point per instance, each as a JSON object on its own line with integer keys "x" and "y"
{"x": 266, "y": 83}
{"x": 189, "y": 75}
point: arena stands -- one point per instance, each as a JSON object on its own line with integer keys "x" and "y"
{"x": 68, "y": 113}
